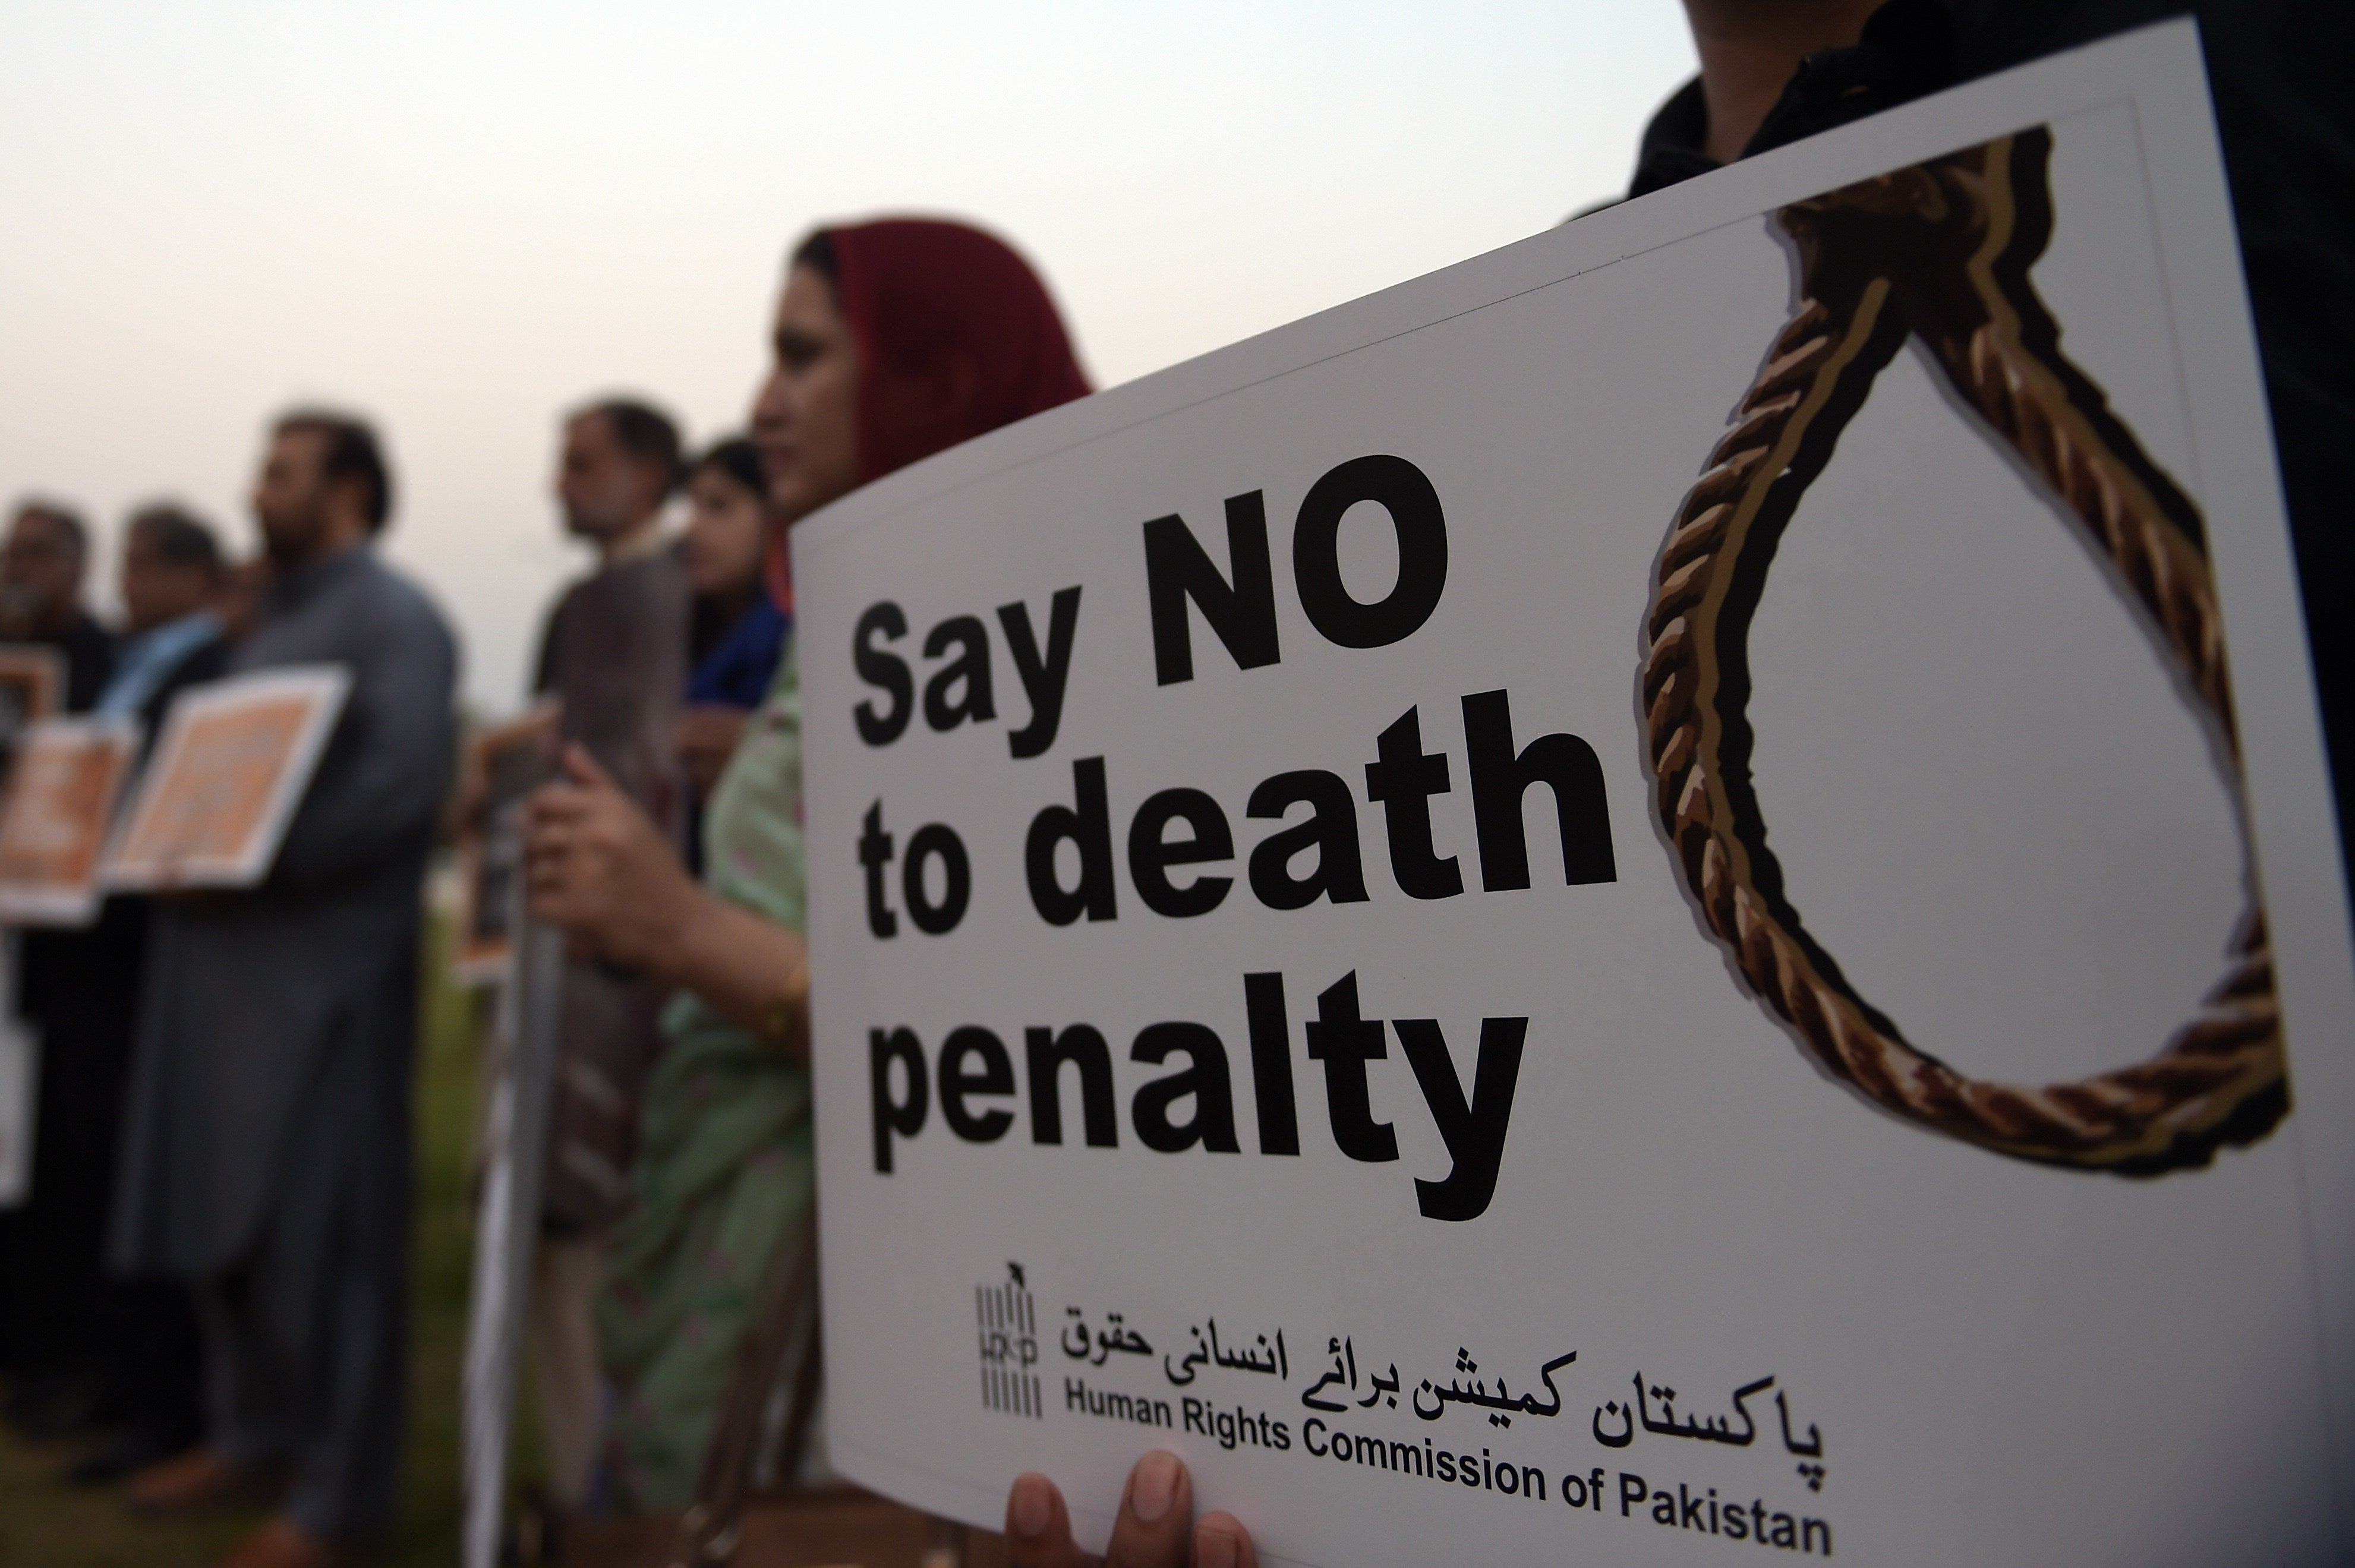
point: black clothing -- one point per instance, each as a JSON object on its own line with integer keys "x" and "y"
{"x": 50, "y": 966}
{"x": 2287, "y": 119}
{"x": 89, "y": 649}
{"x": 267, "y": 1138}
{"x": 123, "y": 1352}
{"x": 89, "y": 661}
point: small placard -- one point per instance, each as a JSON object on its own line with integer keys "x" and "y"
{"x": 32, "y": 687}
{"x": 504, "y": 764}
{"x": 63, "y": 788}
{"x": 232, "y": 764}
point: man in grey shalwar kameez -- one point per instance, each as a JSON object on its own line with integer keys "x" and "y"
{"x": 267, "y": 1155}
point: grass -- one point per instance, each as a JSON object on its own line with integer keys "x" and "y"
{"x": 45, "y": 1524}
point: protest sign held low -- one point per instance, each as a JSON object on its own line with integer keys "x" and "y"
{"x": 1658, "y": 894}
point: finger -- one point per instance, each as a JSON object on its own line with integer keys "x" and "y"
{"x": 1038, "y": 1526}
{"x": 546, "y": 874}
{"x": 553, "y": 862}
{"x": 1157, "y": 1515}
{"x": 550, "y": 841}
{"x": 582, "y": 769}
{"x": 553, "y": 803}
{"x": 1222, "y": 1541}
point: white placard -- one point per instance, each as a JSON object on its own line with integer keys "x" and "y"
{"x": 230, "y": 768}
{"x": 1686, "y": 874}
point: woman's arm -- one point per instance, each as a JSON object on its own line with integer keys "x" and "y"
{"x": 605, "y": 874}
{"x": 708, "y": 735}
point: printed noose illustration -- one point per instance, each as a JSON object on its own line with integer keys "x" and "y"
{"x": 1938, "y": 252}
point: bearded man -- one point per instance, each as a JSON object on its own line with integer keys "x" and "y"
{"x": 266, "y": 1153}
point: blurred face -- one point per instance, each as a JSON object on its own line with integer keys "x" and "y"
{"x": 605, "y": 492}
{"x": 40, "y": 575}
{"x": 806, "y": 420}
{"x": 239, "y": 603}
{"x": 727, "y": 534}
{"x": 155, "y": 590}
{"x": 291, "y": 500}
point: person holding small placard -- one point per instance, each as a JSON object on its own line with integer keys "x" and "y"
{"x": 132, "y": 1344}
{"x": 44, "y": 565}
{"x": 268, "y": 1146}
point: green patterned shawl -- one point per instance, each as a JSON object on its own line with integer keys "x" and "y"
{"x": 723, "y": 1175}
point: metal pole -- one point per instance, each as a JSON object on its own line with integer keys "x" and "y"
{"x": 507, "y": 1234}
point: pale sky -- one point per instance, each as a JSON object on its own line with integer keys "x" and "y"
{"x": 460, "y": 219}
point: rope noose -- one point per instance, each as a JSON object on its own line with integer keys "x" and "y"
{"x": 1939, "y": 251}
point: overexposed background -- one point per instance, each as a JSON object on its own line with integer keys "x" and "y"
{"x": 462, "y": 219}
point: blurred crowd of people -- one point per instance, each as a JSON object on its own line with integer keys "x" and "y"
{"x": 211, "y": 1267}
{"x": 90, "y": 1349}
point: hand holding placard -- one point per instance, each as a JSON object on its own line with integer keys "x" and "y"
{"x": 1150, "y": 1533}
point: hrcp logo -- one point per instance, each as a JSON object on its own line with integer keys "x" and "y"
{"x": 1008, "y": 1325}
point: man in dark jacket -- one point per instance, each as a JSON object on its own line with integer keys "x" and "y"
{"x": 267, "y": 1150}
{"x": 131, "y": 1346}
{"x": 44, "y": 567}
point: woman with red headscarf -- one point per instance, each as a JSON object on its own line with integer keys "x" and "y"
{"x": 891, "y": 341}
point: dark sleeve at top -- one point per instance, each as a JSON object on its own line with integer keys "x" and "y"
{"x": 2277, "y": 70}
{"x": 2286, "y": 112}
{"x": 543, "y": 668}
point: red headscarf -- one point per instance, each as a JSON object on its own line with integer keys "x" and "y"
{"x": 955, "y": 334}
